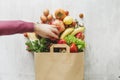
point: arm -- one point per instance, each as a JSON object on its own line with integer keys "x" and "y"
{"x": 17, "y": 26}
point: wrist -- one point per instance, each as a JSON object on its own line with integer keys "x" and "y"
{"x": 36, "y": 27}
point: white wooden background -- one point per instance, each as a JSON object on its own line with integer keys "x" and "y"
{"x": 102, "y": 21}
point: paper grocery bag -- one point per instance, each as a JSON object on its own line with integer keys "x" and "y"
{"x": 59, "y": 66}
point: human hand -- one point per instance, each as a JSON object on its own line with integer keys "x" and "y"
{"x": 46, "y": 31}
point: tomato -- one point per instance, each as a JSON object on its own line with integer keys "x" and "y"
{"x": 61, "y": 41}
{"x": 80, "y": 35}
{"x": 73, "y": 48}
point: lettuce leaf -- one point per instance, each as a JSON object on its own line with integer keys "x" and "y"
{"x": 72, "y": 39}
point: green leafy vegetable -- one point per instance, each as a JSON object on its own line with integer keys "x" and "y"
{"x": 43, "y": 44}
{"x": 40, "y": 45}
{"x": 72, "y": 39}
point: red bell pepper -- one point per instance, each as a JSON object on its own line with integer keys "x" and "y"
{"x": 73, "y": 48}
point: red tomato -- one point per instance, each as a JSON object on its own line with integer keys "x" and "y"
{"x": 61, "y": 41}
{"x": 73, "y": 48}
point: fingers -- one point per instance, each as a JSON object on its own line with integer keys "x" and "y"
{"x": 55, "y": 31}
{"x": 44, "y": 36}
{"x": 49, "y": 31}
{"x": 50, "y": 35}
{"x": 53, "y": 35}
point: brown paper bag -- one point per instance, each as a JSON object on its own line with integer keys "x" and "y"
{"x": 59, "y": 66}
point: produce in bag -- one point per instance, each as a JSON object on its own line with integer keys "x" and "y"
{"x": 71, "y": 32}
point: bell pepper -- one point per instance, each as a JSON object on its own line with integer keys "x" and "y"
{"x": 73, "y": 48}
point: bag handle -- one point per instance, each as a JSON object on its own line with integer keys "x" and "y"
{"x": 59, "y": 46}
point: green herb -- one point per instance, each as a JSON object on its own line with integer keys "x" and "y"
{"x": 40, "y": 45}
